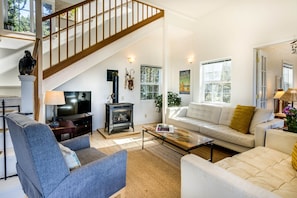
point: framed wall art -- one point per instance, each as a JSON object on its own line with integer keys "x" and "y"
{"x": 184, "y": 82}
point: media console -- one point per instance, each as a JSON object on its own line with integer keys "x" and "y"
{"x": 82, "y": 122}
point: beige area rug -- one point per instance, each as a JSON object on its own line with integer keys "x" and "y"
{"x": 155, "y": 170}
{"x": 148, "y": 175}
{"x": 118, "y": 134}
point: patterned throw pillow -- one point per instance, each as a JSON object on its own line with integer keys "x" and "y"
{"x": 70, "y": 157}
{"x": 242, "y": 117}
{"x": 294, "y": 157}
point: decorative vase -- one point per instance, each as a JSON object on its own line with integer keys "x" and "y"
{"x": 292, "y": 128}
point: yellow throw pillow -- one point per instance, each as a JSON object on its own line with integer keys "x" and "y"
{"x": 294, "y": 157}
{"x": 242, "y": 117}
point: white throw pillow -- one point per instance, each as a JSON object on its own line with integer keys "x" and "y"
{"x": 70, "y": 157}
{"x": 226, "y": 115}
{"x": 260, "y": 116}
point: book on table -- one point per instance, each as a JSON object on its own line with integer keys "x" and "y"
{"x": 164, "y": 128}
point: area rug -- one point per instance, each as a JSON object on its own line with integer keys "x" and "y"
{"x": 117, "y": 134}
{"x": 155, "y": 170}
{"x": 150, "y": 176}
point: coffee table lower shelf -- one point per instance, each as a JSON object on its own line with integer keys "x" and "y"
{"x": 181, "y": 139}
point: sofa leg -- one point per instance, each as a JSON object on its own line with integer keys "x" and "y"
{"x": 120, "y": 194}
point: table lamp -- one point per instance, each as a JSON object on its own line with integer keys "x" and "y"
{"x": 278, "y": 95}
{"x": 290, "y": 96}
{"x": 54, "y": 98}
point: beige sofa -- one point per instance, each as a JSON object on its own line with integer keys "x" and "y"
{"x": 213, "y": 121}
{"x": 260, "y": 172}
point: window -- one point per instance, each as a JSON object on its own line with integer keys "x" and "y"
{"x": 287, "y": 76}
{"x": 150, "y": 78}
{"x": 216, "y": 81}
{"x": 19, "y": 15}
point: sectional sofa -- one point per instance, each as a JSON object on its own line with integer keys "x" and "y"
{"x": 260, "y": 172}
{"x": 217, "y": 122}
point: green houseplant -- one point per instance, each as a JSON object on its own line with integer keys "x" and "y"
{"x": 173, "y": 100}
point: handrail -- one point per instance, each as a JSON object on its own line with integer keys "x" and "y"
{"x": 66, "y": 10}
{"x": 73, "y": 30}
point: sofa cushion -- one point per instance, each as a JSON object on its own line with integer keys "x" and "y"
{"x": 260, "y": 116}
{"x": 242, "y": 117}
{"x": 226, "y": 115}
{"x": 187, "y": 123}
{"x": 226, "y": 134}
{"x": 264, "y": 167}
{"x": 204, "y": 112}
{"x": 294, "y": 157}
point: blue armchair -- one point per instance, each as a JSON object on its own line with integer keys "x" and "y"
{"x": 43, "y": 171}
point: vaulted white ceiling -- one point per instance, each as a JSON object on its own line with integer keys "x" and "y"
{"x": 190, "y": 8}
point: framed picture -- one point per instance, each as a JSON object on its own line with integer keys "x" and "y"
{"x": 184, "y": 82}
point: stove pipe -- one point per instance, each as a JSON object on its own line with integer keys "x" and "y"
{"x": 115, "y": 88}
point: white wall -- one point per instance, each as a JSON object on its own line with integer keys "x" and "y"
{"x": 148, "y": 52}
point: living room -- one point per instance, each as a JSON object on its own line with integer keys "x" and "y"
{"x": 227, "y": 31}
{"x": 232, "y": 29}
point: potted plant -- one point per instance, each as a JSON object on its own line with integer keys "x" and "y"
{"x": 291, "y": 118}
{"x": 173, "y": 100}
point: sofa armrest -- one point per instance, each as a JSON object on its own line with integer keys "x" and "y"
{"x": 173, "y": 112}
{"x": 260, "y": 130}
{"x": 201, "y": 178}
{"x": 100, "y": 178}
{"x": 77, "y": 143}
{"x": 280, "y": 140}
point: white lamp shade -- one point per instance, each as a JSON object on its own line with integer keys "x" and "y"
{"x": 54, "y": 98}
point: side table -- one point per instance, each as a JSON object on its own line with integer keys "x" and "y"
{"x": 65, "y": 127}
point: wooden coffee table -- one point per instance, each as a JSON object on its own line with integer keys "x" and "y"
{"x": 181, "y": 138}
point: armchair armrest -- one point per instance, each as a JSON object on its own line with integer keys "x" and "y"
{"x": 100, "y": 178}
{"x": 260, "y": 131}
{"x": 77, "y": 143}
{"x": 280, "y": 140}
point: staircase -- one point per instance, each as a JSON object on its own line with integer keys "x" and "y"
{"x": 78, "y": 37}
{"x": 82, "y": 29}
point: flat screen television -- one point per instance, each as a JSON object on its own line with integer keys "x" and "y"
{"x": 76, "y": 102}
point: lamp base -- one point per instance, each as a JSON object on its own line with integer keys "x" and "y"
{"x": 54, "y": 124}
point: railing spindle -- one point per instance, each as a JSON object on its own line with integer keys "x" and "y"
{"x": 67, "y": 34}
{"x": 96, "y": 15}
{"x": 75, "y": 26}
{"x": 82, "y": 27}
{"x": 50, "y": 43}
{"x": 59, "y": 40}
{"x": 90, "y": 21}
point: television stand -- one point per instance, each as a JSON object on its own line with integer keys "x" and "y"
{"x": 82, "y": 122}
